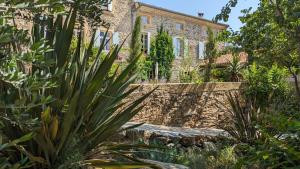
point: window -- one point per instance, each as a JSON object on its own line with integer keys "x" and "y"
{"x": 108, "y": 6}
{"x": 145, "y": 20}
{"x": 179, "y": 26}
{"x": 204, "y": 32}
{"x": 178, "y": 47}
{"x": 99, "y": 39}
{"x": 146, "y": 42}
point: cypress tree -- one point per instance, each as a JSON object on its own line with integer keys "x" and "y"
{"x": 210, "y": 54}
{"x": 162, "y": 53}
{"x": 136, "y": 43}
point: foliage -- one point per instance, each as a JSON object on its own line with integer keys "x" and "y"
{"x": 242, "y": 118}
{"x": 69, "y": 106}
{"x": 162, "y": 53}
{"x": 136, "y": 43}
{"x": 194, "y": 158}
{"x": 234, "y": 69}
{"x": 279, "y": 147}
{"x": 190, "y": 77}
{"x": 265, "y": 84}
{"x": 265, "y": 123}
{"x": 226, "y": 10}
{"x": 187, "y": 72}
{"x": 270, "y": 34}
{"x": 266, "y": 137}
{"x": 144, "y": 67}
{"x": 210, "y": 54}
{"x": 6, "y": 155}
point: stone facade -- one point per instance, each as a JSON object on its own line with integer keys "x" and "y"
{"x": 185, "y": 105}
{"x": 192, "y": 32}
{"x": 121, "y": 15}
{"x": 120, "y": 19}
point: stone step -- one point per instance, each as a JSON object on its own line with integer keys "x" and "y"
{"x": 166, "y": 135}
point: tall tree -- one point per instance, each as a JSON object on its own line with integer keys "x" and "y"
{"x": 210, "y": 54}
{"x": 136, "y": 43}
{"x": 271, "y": 34}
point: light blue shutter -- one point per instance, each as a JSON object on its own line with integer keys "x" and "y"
{"x": 97, "y": 39}
{"x": 201, "y": 50}
{"x": 148, "y": 42}
{"x": 175, "y": 47}
{"x": 186, "y": 48}
{"x": 116, "y": 38}
{"x": 110, "y": 6}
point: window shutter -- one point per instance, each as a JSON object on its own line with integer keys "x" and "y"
{"x": 110, "y": 6}
{"x": 201, "y": 50}
{"x": 186, "y": 48}
{"x": 148, "y": 42}
{"x": 97, "y": 39}
{"x": 116, "y": 38}
{"x": 175, "y": 47}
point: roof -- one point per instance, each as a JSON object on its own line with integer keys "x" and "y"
{"x": 179, "y": 13}
{"x": 226, "y": 59}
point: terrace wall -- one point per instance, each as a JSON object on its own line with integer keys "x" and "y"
{"x": 184, "y": 105}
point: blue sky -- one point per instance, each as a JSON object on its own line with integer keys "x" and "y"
{"x": 209, "y": 7}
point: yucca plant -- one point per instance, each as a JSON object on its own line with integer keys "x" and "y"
{"x": 69, "y": 105}
{"x": 234, "y": 69}
{"x": 242, "y": 118}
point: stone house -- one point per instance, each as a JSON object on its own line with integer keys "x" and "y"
{"x": 189, "y": 32}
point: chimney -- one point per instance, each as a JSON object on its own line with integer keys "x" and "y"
{"x": 200, "y": 14}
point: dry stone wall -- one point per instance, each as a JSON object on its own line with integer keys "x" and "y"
{"x": 184, "y": 105}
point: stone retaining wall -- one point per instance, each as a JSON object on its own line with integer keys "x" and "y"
{"x": 184, "y": 105}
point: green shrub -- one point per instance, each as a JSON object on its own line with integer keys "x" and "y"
{"x": 268, "y": 137}
{"x": 188, "y": 73}
{"x": 162, "y": 53}
{"x": 144, "y": 68}
{"x": 195, "y": 158}
{"x": 278, "y": 148}
{"x": 265, "y": 84}
{"x": 191, "y": 76}
{"x": 219, "y": 75}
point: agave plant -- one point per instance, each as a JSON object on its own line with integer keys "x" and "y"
{"x": 71, "y": 107}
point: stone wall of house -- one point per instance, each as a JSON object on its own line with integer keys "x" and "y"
{"x": 121, "y": 21}
{"x": 193, "y": 32}
{"x": 185, "y": 105}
